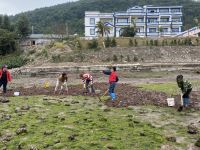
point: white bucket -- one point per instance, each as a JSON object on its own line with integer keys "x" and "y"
{"x": 170, "y": 102}
{"x": 16, "y": 93}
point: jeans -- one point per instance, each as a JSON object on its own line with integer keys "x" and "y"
{"x": 4, "y": 86}
{"x": 112, "y": 90}
{"x": 89, "y": 84}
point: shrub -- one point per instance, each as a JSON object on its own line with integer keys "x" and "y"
{"x": 130, "y": 43}
{"x": 151, "y": 42}
{"x": 113, "y": 43}
{"x": 107, "y": 42}
{"x": 45, "y": 53}
{"x": 135, "y": 59}
{"x": 147, "y": 43}
{"x": 135, "y": 42}
{"x": 14, "y": 62}
{"x": 155, "y": 42}
{"x": 128, "y": 58}
{"x": 93, "y": 44}
{"x": 121, "y": 58}
{"x": 115, "y": 59}
{"x": 56, "y": 58}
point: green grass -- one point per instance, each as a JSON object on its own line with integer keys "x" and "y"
{"x": 169, "y": 88}
{"x": 92, "y": 127}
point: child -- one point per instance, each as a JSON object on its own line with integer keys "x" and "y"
{"x": 186, "y": 89}
{"x": 61, "y": 83}
{"x": 112, "y": 80}
{"x": 5, "y": 77}
{"x": 87, "y": 81}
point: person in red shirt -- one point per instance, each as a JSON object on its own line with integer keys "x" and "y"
{"x": 5, "y": 77}
{"x": 113, "y": 79}
{"x": 87, "y": 82}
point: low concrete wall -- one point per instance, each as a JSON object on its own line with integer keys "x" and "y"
{"x": 52, "y": 71}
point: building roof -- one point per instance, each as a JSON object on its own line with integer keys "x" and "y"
{"x": 46, "y": 36}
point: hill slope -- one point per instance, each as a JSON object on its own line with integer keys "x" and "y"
{"x": 46, "y": 20}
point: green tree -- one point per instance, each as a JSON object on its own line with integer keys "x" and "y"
{"x": 160, "y": 31}
{"x": 22, "y": 27}
{"x": 107, "y": 42}
{"x": 128, "y": 32}
{"x": 102, "y": 29}
{"x": 7, "y": 42}
{"x": 6, "y": 23}
{"x": 1, "y": 21}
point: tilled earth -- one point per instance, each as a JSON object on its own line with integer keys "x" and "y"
{"x": 126, "y": 95}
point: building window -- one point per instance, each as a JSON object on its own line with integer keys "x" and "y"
{"x": 164, "y": 19}
{"x": 164, "y": 10}
{"x": 92, "y": 21}
{"x": 152, "y": 30}
{"x": 152, "y": 20}
{"x": 165, "y": 30}
{"x": 140, "y": 20}
{"x": 175, "y": 10}
{"x": 122, "y": 20}
{"x": 175, "y": 29}
{"x": 92, "y": 31}
{"x": 176, "y": 19}
{"x": 138, "y": 30}
{"x": 152, "y": 10}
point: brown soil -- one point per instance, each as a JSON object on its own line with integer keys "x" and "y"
{"x": 126, "y": 95}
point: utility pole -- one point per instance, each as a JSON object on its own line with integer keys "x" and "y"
{"x": 32, "y": 29}
{"x": 67, "y": 30}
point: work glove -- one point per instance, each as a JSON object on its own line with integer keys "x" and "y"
{"x": 84, "y": 86}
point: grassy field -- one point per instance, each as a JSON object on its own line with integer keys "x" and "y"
{"x": 84, "y": 123}
{"x": 170, "y": 88}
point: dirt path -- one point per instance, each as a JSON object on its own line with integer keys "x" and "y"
{"x": 127, "y": 95}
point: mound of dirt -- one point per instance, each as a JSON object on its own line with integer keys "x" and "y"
{"x": 126, "y": 95}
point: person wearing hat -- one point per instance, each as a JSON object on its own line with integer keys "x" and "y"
{"x": 61, "y": 83}
{"x": 5, "y": 77}
{"x": 186, "y": 88}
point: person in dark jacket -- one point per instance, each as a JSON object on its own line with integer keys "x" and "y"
{"x": 5, "y": 77}
{"x": 112, "y": 81}
{"x": 186, "y": 88}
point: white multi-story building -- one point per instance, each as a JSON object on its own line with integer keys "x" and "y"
{"x": 150, "y": 21}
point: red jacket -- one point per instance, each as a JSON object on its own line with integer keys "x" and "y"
{"x": 9, "y": 78}
{"x": 113, "y": 77}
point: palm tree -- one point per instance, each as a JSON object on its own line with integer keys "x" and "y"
{"x": 197, "y": 22}
{"x": 102, "y": 29}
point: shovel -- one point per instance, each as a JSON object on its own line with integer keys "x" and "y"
{"x": 103, "y": 95}
{"x": 181, "y": 107}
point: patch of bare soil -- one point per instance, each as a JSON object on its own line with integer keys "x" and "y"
{"x": 126, "y": 95}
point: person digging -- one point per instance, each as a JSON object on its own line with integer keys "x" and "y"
{"x": 113, "y": 79}
{"x": 61, "y": 84}
{"x": 5, "y": 77}
{"x": 186, "y": 88}
{"x": 87, "y": 83}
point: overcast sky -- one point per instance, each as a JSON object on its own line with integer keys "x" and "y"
{"x": 12, "y": 7}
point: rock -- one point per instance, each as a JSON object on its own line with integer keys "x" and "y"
{"x": 48, "y": 132}
{"x": 74, "y": 102}
{"x": 17, "y": 110}
{"x": 45, "y": 98}
{"x": 21, "y": 131}
{"x": 25, "y": 107}
{"x": 6, "y": 117}
{"x": 142, "y": 134}
{"x": 6, "y": 137}
{"x": 32, "y": 147}
{"x": 56, "y": 141}
{"x": 197, "y": 143}
{"x": 192, "y": 129}
{"x": 4, "y": 148}
{"x": 171, "y": 139}
{"x": 106, "y": 109}
{"x": 4, "y": 100}
{"x": 72, "y": 137}
{"x": 66, "y": 104}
